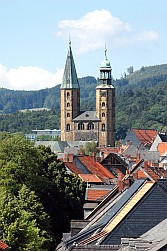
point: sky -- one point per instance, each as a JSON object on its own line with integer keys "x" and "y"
{"x": 34, "y": 38}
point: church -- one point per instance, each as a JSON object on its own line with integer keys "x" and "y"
{"x": 77, "y": 125}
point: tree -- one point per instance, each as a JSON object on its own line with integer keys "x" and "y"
{"x": 90, "y": 147}
{"x": 130, "y": 70}
{"x": 61, "y": 194}
{"x": 24, "y": 222}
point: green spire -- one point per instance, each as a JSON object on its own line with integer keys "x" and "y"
{"x": 70, "y": 80}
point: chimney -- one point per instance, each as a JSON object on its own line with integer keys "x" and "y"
{"x": 120, "y": 182}
{"x": 119, "y": 146}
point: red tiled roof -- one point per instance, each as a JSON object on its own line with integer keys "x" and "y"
{"x": 145, "y": 136}
{"x": 95, "y": 167}
{"x": 93, "y": 194}
{"x": 90, "y": 178}
{"x": 3, "y": 246}
{"x": 72, "y": 167}
{"x": 162, "y": 148}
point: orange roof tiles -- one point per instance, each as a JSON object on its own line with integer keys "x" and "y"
{"x": 72, "y": 168}
{"x": 162, "y": 148}
{"x": 145, "y": 136}
{"x": 90, "y": 178}
{"x": 93, "y": 194}
{"x": 95, "y": 167}
{"x": 3, "y": 246}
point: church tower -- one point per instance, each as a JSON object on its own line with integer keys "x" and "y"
{"x": 70, "y": 98}
{"x": 105, "y": 105}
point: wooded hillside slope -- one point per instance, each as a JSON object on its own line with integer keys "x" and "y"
{"x": 141, "y": 102}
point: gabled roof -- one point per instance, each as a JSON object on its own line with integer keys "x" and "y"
{"x": 153, "y": 240}
{"x": 95, "y": 167}
{"x": 72, "y": 167}
{"x": 112, "y": 210}
{"x": 87, "y": 116}
{"x": 56, "y": 146}
{"x": 70, "y": 80}
{"x": 145, "y": 136}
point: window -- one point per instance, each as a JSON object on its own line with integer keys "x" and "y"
{"x": 68, "y": 95}
{"x": 103, "y": 104}
{"x": 103, "y": 114}
{"x": 103, "y": 127}
{"x": 68, "y": 127}
{"x": 90, "y": 126}
{"x": 80, "y": 126}
{"x": 68, "y": 104}
{"x": 68, "y": 114}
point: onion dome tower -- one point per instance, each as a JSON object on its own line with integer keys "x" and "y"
{"x": 105, "y": 104}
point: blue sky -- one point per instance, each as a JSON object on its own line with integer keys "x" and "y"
{"x": 34, "y": 37}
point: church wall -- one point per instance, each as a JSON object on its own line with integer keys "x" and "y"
{"x": 85, "y": 134}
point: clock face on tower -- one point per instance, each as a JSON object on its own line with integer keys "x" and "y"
{"x": 103, "y": 94}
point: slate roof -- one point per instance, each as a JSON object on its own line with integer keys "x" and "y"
{"x": 153, "y": 240}
{"x": 56, "y": 146}
{"x": 112, "y": 209}
{"x": 141, "y": 207}
{"x": 87, "y": 116}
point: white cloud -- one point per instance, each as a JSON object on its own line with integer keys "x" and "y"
{"x": 91, "y": 31}
{"x": 148, "y": 36}
{"x": 29, "y": 78}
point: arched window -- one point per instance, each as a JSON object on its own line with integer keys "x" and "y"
{"x": 68, "y": 114}
{"x": 90, "y": 126}
{"x": 68, "y": 127}
{"x": 68, "y": 104}
{"x": 103, "y": 104}
{"x": 81, "y": 126}
{"x": 68, "y": 95}
{"x": 103, "y": 127}
{"x": 103, "y": 114}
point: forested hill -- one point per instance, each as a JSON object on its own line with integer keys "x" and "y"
{"x": 140, "y": 101}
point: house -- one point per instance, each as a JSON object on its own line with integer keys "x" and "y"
{"x": 131, "y": 214}
{"x": 140, "y": 138}
{"x": 160, "y": 138}
{"x": 115, "y": 164}
{"x": 153, "y": 240}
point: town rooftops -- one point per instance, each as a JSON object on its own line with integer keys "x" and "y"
{"x": 140, "y": 208}
{"x": 139, "y": 137}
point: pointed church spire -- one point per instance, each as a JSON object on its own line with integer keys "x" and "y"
{"x": 70, "y": 80}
